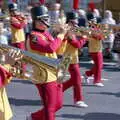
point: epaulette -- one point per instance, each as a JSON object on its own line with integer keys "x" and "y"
{"x": 33, "y": 38}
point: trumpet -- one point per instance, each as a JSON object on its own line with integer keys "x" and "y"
{"x": 58, "y": 28}
{"x": 107, "y": 27}
{"x": 89, "y": 31}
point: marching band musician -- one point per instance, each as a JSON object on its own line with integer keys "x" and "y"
{"x": 42, "y": 43}
{"x": 71, "y": 44}
{"x": 5, "y": 109}
{"x": 17, "y": 22}
{"x": 5, "y": 78}
{"x": 95, "y": 50}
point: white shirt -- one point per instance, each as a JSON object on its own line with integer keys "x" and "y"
{"x": 3, "y": 39}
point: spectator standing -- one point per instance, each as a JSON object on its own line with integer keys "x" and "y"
{"x": 96, "y": 14}
{"x": 108, "y": 18}
{"x": 82, "y": 21}
{"x": 108, "y": 42}
{"x": 62, "y": 17}
{"x": 28, "y": 27}
{"x": 116, "y": 47}
{"x": 3, "y": 37}
{"x": 54, "y": 13}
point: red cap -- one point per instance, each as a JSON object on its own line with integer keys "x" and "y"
{"x": 91, "y": 5}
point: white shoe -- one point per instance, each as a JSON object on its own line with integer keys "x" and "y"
{"x": 99, "y": 84}
{"x": 29, "y": 118}
{"x": 86, "y": 79}
{"x": 81, "y": 104}
{"x": 104, "y": 79}
{"x": 91, "y": 61}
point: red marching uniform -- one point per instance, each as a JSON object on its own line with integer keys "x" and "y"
{"x": 74, "y": 69}
{"x": 42, "y": 43}
{"x": 5, "y": 109}
{"x": 17, "y": 22}
{"x": 72, "y": 43}
{"x": 50, "y": 91}
{"x": 18, "y": 36}
{"x": 17, "y": 28}
{"x": 95, "y": 50}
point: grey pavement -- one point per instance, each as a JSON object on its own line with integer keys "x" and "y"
{"x": 104, "y": 103}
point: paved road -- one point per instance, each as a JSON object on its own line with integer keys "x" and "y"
{"x": 104, "y": 103}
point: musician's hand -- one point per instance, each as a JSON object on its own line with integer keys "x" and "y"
{"x": 58, "y": 34}
{"x": 98, "y": 36}
{"x": 24, "y": 18}
{"x": 12, "y": 56}
{"x": 14, "y": 20}
{"x": 69, "y": 36}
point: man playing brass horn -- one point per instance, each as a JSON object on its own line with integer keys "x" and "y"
{"x": 5, "y": 78}
{"x": 95, "y": 50}
{"x": 17, "y": 22}
{"x": 70, "y": 46}
{"x": 42, "y": 43}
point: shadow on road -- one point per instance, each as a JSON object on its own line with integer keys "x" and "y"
{"x": 111, "y": 69}
{"x": 22, "y": 81}
{"x": 89, "y": 85}
{"x": 106, "y": 93}
{"x": 92, "y": 116}
{"x": 85, "y": 65}
{"x": 23, "y": 102}
{"x": 65, "y": 105}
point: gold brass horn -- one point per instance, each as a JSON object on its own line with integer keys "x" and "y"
{"x": 38, "y": 65}
{"x": 80, "y": 31}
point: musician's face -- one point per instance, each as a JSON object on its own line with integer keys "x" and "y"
{"x": 40, "y": 25}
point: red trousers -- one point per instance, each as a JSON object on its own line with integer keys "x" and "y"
{"x": 97, "y": 68}
{"x": 75, "y": 82}
{"x": 52, "y": 96}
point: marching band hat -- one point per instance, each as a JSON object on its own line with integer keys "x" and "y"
{"x": 40, "y": 13}
{"x": 91, "y": 17}
{"x": 12, "y": 6}
{"x": 72, "y": 16}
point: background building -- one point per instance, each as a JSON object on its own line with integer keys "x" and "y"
{"x": 114, "y": 6}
